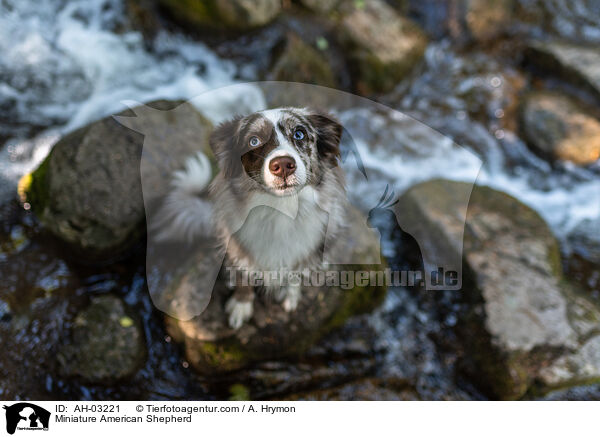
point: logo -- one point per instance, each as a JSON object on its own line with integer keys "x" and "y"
{"x": 26, "y": 416}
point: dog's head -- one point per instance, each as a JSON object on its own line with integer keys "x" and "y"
{"x": 278, "y": 150}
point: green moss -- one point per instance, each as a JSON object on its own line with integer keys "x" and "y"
{"x": 224, "y": 356}
{"x": 192, "y": 12}
{"x": 199, "y": 15}
{"x": 502, "y": 376}
{"x": 322, "y": 43}
{"x": 33, "y": 187}
{"x": 126, "y": 322}
{"x": 554, "y": 258}
{"x": 358, "y": 300}
{"x": 239, "y": 392}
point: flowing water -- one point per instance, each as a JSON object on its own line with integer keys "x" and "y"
{"x": 66, "y": 63}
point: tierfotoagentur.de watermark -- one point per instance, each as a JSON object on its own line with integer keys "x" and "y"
{"x": 344, "y": 279}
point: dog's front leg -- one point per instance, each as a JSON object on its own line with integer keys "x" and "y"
{"x": 293, "y": 293}
{"x": 240, "y": 306}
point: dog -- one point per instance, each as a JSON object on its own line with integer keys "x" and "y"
{"x": 278, "y": 197}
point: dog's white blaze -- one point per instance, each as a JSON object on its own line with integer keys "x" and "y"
{"x": 284, "y": 241}
{"x": 285, "y": 149}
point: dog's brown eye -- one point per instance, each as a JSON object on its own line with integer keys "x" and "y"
{"x": 254, "y": 142}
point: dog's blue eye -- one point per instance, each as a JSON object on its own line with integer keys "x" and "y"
{"x": 298, "y": 135}
{"x": 254, "y": 142}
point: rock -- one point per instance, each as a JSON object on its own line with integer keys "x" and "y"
{"x": 382, "y": 46}
{"x": 558, "y": 128}
{"x": 465, "y": 21}
{"x": 582, "y": 366}
{"x": 212, "y": 347}
{"x": 520, "y": 322}
{"x": 368, "y": 389}
{"x": 143, "y": 16}
{"x": 576, "y": 64}
{"x": 576, "y": 22}
{"x": 88, "y": 190}
{"x": 273, "y": 379}
{"x": 299, "y": 62}
{"x": 106, "y": 345}
{"x": 345, "y": 354}
{"x": 584, "y": 259}
{"x": 239, "y": 392}
{"x": 486, "y": 20}
{"x": 579, "y": 393}
{"x": 585, "y": 240}
{"x": 321, "y": 6}
{"x": 222, "y": 14}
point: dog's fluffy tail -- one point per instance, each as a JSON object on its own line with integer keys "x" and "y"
{"x": 184, "y": 215}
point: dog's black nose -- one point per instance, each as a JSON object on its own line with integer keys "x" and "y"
{"x": 282, "y": 166}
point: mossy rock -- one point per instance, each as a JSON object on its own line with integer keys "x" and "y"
{"x": 212, "y": 347}
{"x": 519, "y": 317}
{"x": 222, "y": 14}
{"x": 382, "y": 46}
{"x": 574, "y": 63}
{"x": 559, "y": 128}
{"x": 105, "y": 345}
{"x": 366, "y": 389}
{"x": 299, "y": 62}
{"x": 584, "y": 254}
{"x": 486, "y": 20}
{"x": 88, "y": 191}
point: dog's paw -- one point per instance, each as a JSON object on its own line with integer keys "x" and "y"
{"x": 292, "y": 297}
{"x": 239, "y": 312}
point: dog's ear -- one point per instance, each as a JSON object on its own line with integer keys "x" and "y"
{"x": 329, "y": 133}
{"x": 224, "y": 142}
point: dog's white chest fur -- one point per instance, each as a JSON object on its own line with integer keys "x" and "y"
{"x": 282, "y": 231}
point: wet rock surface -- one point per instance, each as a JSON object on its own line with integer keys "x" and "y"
{"x": 228, "y": 14}
{"x": 559, "y": 128}
{"x": 574, "y": 21}
{"x": 211, "y": 346}
{"x": 345, "y": 355}
{"x": 577, "y": 64}
{"x": 321, "y": 6}
{"x": 370, "y": 389}
{"x": 88, "y": 191}
{"x": 584, "y": 255}
{"x": 523, "y": 326}
{"x": 299, "y": 62}
{"x": 487, "y": 20}
{"x": 105, "y": 343}
{"x": 382, "y": 45}
{"x": 584, "y": 240}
